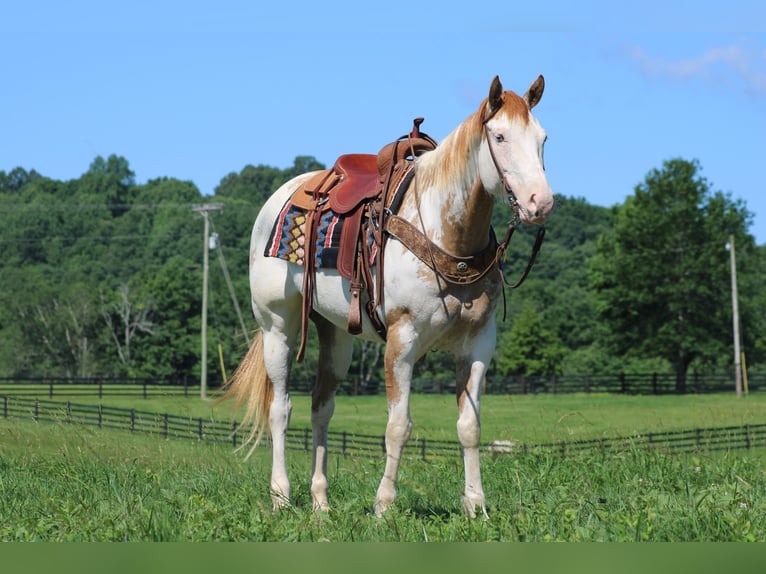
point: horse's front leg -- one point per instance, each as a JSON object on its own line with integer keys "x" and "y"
{"x": 471, "y": 372}
{"x": 399, "y": 360}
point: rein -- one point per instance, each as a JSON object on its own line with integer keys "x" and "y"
{"x": 501, "y": 252}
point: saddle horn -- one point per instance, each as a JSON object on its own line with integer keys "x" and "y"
{"x": 409, "y": 145}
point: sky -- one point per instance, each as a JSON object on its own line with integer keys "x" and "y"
{"x": 197, "y": 90}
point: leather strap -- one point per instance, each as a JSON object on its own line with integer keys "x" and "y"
{"x": 454, "y": 269}
{"x": 308, "y": 280}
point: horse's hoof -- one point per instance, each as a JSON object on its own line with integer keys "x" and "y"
{"x": 470, "y": 507}
{"x": 279, "y": 501}
{"x": 381, "y": 507}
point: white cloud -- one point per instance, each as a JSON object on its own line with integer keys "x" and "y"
{"x": 740, "y": 66}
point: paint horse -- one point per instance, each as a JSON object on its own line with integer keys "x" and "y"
{"x": 496, "y": 153}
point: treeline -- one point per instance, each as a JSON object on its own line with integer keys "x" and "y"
{"x": 102, "y": 276}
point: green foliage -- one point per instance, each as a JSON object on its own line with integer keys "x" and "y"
{"x": 70, "y": 247}
{"x": 558, "y": 286}
{"x": 529, "y": 348}
{"x": 662, "y": 275}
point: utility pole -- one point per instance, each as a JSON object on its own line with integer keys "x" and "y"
{"x": 227, "y": 276}
{"x": 204, "y": 209}
{"x": 735, "y": 318}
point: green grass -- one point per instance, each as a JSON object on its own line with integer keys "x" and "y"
{"x": 65, "y": 482}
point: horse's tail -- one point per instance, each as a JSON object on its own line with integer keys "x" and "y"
{"x": 251, "y": 386}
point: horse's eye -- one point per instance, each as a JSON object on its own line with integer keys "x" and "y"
{"x": 499, "y": 138}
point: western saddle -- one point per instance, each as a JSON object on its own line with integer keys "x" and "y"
{"x": 365, "y": 189}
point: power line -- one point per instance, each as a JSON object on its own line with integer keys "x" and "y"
{"x": 99, "y": 238}
{"x": 50, "y": 207}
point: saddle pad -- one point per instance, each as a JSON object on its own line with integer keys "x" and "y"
{"x": 288, "y": 237}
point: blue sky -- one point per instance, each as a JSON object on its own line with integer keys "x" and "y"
{"x": 196, "y": 90}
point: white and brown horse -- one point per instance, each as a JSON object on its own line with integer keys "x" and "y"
{"x": 496, "y": 153}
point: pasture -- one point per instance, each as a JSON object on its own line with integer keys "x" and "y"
{"x": 67, "y": 482}
{"x": 531, "y": 419}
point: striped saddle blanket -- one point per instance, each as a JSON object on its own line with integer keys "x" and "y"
{"x": 288, "y": 238}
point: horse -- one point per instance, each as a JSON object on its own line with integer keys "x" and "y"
{"x": 495, "y": 154}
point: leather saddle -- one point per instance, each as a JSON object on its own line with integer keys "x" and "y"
{"x": 352, "y": 180}
{"x": 356, "y": 178}
{"x": 364, "y": 189}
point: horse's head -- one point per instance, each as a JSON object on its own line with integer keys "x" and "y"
{"x": 511, "y": 162}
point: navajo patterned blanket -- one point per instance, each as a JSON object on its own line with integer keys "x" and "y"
{"x": 288, "y": 238}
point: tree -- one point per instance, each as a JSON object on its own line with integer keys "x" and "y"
{"x": 15, "y": 180}
{"x": 529, "y": 348}
{"x": 115, "y": 168}
{"x": 662, "y": 275}
{"x": 63, "y": 331}
{"x": 125, "y": 318}
{"x": 366, "y": 368}
{"x": 256, "y": 183}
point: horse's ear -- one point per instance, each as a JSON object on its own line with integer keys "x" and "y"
{"x": 535, "y": 92}
{"x": 495, "y": 100}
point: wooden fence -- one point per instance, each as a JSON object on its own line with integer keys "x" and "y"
{"x": 101, "y": 386}
{"x": 621, "y": 383}
{"x": 167, "y": 426}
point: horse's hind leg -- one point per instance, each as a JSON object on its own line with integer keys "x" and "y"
{"x": 277, "y": 358}
{"x": 335, "y": 351}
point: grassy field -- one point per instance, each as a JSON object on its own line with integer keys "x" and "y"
{"x": 531, "y": 419}
{"x": 66, "y": 482}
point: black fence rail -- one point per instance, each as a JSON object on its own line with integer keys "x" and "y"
{"x": 351, "y": 444}
{"x": 621, "y": 383}
{"x": 164, "y": 425}
{"x": 688, "y": 441}
{"x": 101, "y": 386}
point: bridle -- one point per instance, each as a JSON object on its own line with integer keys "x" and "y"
{"x": 515, "y": 207}
{"x": 426, "y": 251}
{"x": 514, "y": 202}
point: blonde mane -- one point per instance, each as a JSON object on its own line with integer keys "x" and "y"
{"x": 450, "y": 165}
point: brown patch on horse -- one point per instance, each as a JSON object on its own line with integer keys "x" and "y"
{"x": 514, "y": 106}
{"x": 394, "y": 346}
{"x": 462, "y": 372}
{"x": 325, "y": 385}
{"x": 461, "y": 240}
{"x": 471, "y": 308}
